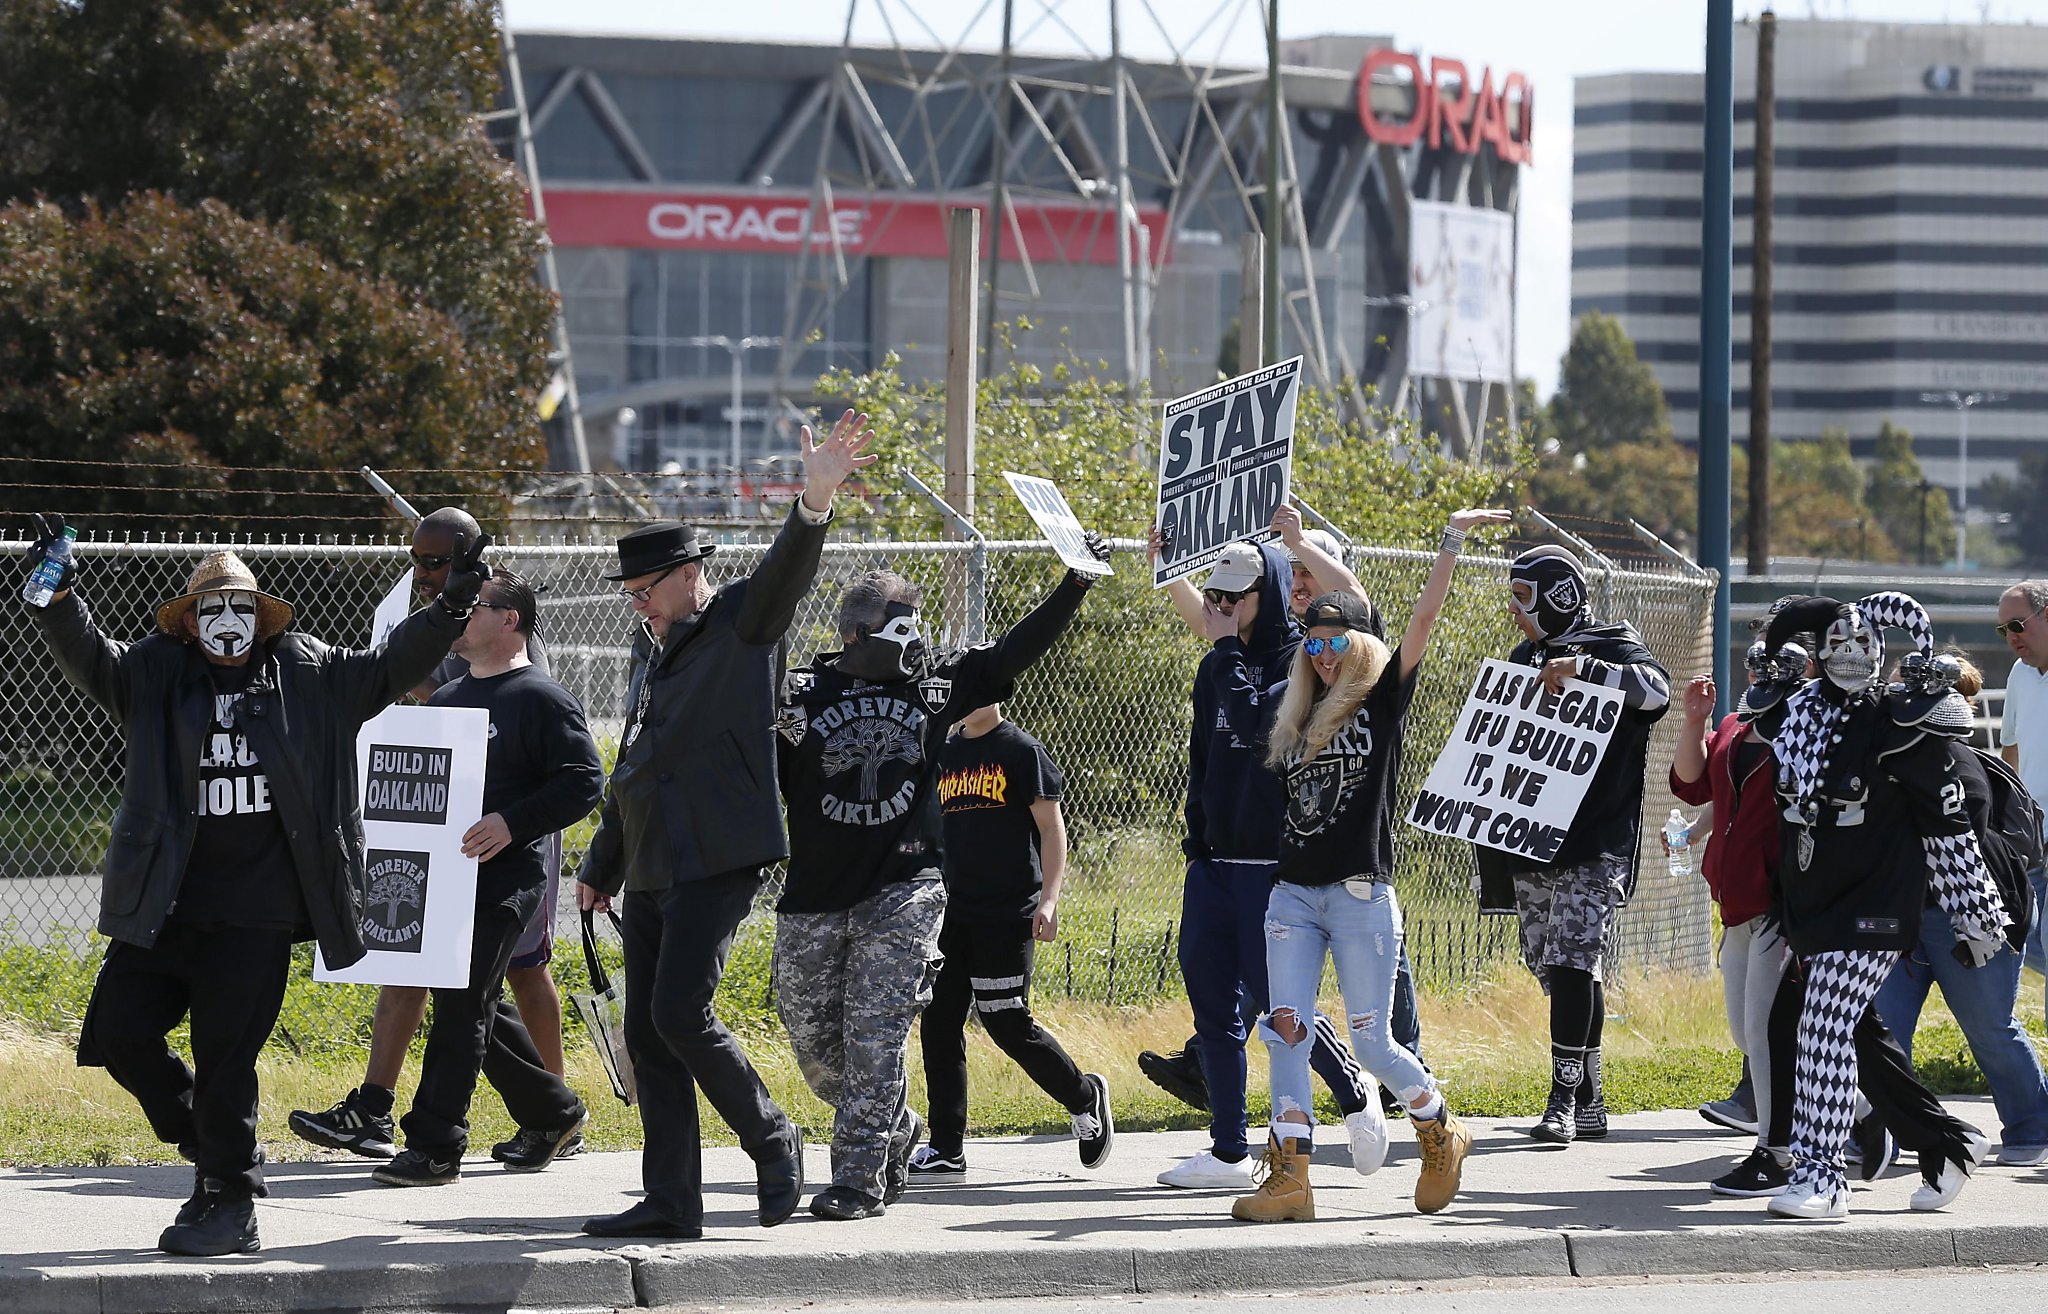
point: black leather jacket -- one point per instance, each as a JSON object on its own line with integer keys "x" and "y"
{"x": 301, "y": 714}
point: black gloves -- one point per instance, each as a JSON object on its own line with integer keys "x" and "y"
{"x": 466, "y": 575}
{"x": 1098, "y": 547}
{"x": 49, "y": 530}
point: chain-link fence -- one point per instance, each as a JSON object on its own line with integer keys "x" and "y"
{"x": 1112, "y": 703}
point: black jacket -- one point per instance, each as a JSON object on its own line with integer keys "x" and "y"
{"x": 693, "y": 792}
{"x": 1235, "y": 806}
{"x": 301, "y": 713}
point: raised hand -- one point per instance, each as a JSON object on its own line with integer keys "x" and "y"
{"x": 1287, "y": 524}
{"x": 827, "y": 464}
{"x": 1473, "y": 517}
{"x": 47, "y": 530}
{"x": 1700, "y": 696}
{"x": 1098, "y": 547}
{"x": 466, "y": 573}
{"x": 1155, "y": 544}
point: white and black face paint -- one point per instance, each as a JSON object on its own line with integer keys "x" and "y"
{"x": 227, "y": 623}
{"x": 893, "y": 652}
{"x": 1850, "y": 655}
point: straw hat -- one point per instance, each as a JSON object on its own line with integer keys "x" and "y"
{"x": 223, "y": 572}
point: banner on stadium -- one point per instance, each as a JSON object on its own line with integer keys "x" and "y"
{"x": 420, "y": 771}
{"x": 1057, "y": 521}
{"x": 1518, "y": 763}
{"x": 1462, "y": 286}
{"x": 1226, "y": 456}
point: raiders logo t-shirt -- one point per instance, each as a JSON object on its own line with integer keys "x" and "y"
{"x": 987, "y": 784}
{"x": 1340, "y": 803}
{"x": 240, "y": 872}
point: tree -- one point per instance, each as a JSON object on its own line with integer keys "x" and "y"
{"x": 1605, "y": 395}
{"x": 262, "y": 234}
{"x": 1817, "y": 502}
{"x": 2024, "y": 504}
{"x": 1915, "y": 515}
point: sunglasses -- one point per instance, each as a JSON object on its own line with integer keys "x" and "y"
{"x": 2011, "y": 629}
{"x": 642, "y": 594}
{"x": 430, "y": 563}
{"x": 1224, "y": 597}
{"x": 1335, "y": 643}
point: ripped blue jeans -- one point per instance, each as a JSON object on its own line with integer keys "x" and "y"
{"x": 1363, "y": 935}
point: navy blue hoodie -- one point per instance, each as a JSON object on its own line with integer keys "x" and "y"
{"x": 1235, "y": 806}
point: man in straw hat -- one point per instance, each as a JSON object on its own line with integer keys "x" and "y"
{"x": 690, "y": 822}
{"x": 239, "y": 832}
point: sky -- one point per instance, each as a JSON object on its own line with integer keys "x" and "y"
{"x": 1551, "y": 41}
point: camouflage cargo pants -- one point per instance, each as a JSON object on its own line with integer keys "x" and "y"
{"x": 1570, "y": 915}
{"x": 847, "y": 986}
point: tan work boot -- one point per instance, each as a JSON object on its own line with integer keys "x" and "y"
{"x": 1445, "y": 1143}
{"x": 1283, "y": 1195}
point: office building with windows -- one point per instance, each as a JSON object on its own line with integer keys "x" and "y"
{"x": 1911, "y": 231}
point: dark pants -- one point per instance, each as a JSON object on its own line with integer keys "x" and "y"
{"x": 1223, "y": 963}
{"x": 476, "y": 1030}
{"x": 676, "y": 944}
{"x": 1883, "y": 1072}
{"x": 988, "y": 969}
{"x": 231, "y": 979}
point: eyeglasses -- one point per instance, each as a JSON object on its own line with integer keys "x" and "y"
{"x": 496, "y": 606}
{"x": 2011, "y": 629}
{"x": 429, "y": 563}
{"x": 642, "y": 594}
{"x": 1224, "y": 597}
{"x": 1335, "y": 643}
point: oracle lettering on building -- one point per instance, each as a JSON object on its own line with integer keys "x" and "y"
{"x": 1450, "y": 109}
{"x": 729, "y": 225}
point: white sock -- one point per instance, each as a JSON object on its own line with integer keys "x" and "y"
{"x": 1434, "y": 1109}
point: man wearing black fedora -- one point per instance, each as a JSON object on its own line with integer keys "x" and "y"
{"x": 690, "y": 821}
{"x": 239, "y": 832}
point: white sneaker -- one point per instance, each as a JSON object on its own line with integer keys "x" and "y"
{"x": 1206, "y": 1172}
{"x": 2022, "y": 1156}
{"x": 1949, "y": 1182}
{"x": 1368, "y": 1129}
{"x": 1802, "y": 1200}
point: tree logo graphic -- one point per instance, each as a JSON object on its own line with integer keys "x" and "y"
{"x": 869, "y": 743}
{"x": 395, "y": 901}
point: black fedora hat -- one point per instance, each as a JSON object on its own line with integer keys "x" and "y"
{"x": 658, "y": 546}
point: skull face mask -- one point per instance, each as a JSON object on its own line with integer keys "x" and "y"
{"x": 1851, "y": 653}
{"x": 893, "y": 652}
{"x": 227, "y": 623}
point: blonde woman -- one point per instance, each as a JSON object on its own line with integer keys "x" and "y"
{"x": 1332, "y": 730}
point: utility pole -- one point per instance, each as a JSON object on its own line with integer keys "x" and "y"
{"x": 963, "y": 283}
{"x": 1251, "y": 303}
{"x": 1271, "y": 337}
{"x": 1134, "y": 360}
{"x": 999, "y": 198}
{"x": 1963, "y": 402}
{"x": 1765, "y": 193}
{"x": 1717, "y": 262}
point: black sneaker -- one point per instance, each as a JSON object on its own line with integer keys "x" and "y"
{"x": 225, "y": 1225}
{"x": 412, "y": 1168}
{"x": 926, "y": 1161}
{"x": 1876, "y": 1146}
{"x": 1179, "y": 1074}
{"x": 1557, "y": 1126}
{"x": 574, "y": 1147}
{"x": 844, "y": 1204}
{"x": 902, "y": 1143}
{"x": 1759, "y": 1175}
{"x": 1095, "y": 1126}
{"x": 348, "y": 1126}
{"x": 534, "y": 1148}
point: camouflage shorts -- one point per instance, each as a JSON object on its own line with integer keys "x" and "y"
{"x": 1569, "y": 915}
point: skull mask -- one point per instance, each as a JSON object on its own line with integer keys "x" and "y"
{"x": 1851, "y": 653}
{"x": 227, "y": 622}
{"x": 893, "y": 652}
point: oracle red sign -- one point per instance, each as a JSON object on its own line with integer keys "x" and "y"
{"x": 711, "y": 220}
{"x": 1449, "y": 109}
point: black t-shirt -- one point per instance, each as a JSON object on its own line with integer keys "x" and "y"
{"x": 541, "y": 770}
{"x": 1340, "y": 803}
{"x": 240, "y": 871}
{"x": 859, "y": 767}
{"x": 987, "y": 784}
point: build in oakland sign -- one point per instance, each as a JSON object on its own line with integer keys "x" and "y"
{"x": 1225, "y": 457}
{"x": 1518, "y": 763}
{"x": 421, "y": 773}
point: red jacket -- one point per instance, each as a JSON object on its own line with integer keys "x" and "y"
{"x": 1742, "y": 862}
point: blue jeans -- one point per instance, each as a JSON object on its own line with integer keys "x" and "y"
{"x": 1982, "y": 999}
{"x": 1304, "y": 924}
{"x": 2037, "y": 956}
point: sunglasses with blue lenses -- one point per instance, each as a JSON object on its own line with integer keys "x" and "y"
{"x": 1335, "y": 643}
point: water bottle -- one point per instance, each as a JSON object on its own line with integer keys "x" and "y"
{"x": 1678, "y": 836}
{"x": 42, "y": 581}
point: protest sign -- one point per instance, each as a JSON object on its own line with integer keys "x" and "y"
{"x": 421, "y": 773}
{"x": 1053, "y": 516}
{"x": 397, "y": 605}
{"x": 1518, "y": 762}
{"x": 1226, "y": 455}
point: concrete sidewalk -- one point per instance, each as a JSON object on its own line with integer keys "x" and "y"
{"x": 1025, "y": 1221}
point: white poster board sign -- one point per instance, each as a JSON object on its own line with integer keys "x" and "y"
{"x": 1517, "y": 765}
{"x": 421, "y": 773}
{"x": 397, "y": 605}
{"x": 1226, "y": 455}
{"x": 1049, "y": 510}
{"x": 1462, "y": 281}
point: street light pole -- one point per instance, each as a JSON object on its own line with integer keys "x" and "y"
{"x": 1962, "y": 401}
{"x": 737, "y": 349}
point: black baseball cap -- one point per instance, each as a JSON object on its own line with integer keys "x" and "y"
{"x": 1345, "y": 609}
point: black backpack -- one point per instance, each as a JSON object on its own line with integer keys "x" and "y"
{"x": 2011, "y": 843}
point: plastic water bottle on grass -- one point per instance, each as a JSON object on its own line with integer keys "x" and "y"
{"x": 1678, "y": 844}
{"x": 49, "y": 572}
